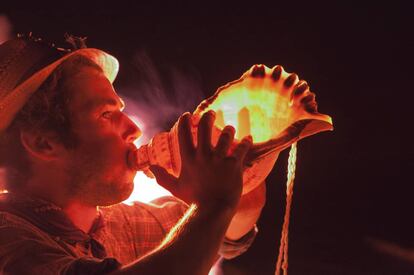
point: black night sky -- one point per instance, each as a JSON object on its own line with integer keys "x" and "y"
{"x": 353, "y": 197}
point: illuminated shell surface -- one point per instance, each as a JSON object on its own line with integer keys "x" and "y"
{"x": 267, "y": 104}
{"x": 270, "y": 104}
{"x": 264, "y": 102}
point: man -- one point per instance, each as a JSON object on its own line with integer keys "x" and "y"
{"x": 65, "y": 145}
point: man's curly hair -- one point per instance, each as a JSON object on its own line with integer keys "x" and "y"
{"x": 46, "y": 111}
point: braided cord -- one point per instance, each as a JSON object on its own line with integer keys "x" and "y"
{"x": 282, "y": 260}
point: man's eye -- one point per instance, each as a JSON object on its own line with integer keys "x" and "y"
{"x": 106, "y": 114}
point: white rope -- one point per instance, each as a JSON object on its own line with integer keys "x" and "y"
{"x": 282, "y": 260}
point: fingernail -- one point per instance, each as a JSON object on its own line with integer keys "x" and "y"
{"x": 212, "y": 113}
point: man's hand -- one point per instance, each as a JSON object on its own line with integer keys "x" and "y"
{"x": 209, "y": 176}
{"x": 212, "y": 179}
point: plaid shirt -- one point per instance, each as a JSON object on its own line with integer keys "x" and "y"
{"x": 125, "y": 232}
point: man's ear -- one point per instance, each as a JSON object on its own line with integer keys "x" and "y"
{"x": 41, "y": 145}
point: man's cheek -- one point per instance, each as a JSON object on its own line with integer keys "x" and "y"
{"x": 111, "y": 149}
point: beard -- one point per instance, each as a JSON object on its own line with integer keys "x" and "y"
{"x": 95, "y": 181}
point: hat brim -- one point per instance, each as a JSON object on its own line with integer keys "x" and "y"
{"x": 17, "y": 98}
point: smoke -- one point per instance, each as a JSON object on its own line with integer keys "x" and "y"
{"x": 156, "y": 99}
{"x": 5, "y": 28}
{"x": 392, "y": 249}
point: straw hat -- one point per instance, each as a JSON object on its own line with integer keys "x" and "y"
{"x": 26, "y": 62}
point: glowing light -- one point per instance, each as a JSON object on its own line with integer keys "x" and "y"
{"x": 176, "y": 229}
{"x": 216, "y": 269}
{"x": 262, "y": 106}
{"x": 262, "y": 103}
{"x": 145, "y": 189}
{"x": 250, "y": 111}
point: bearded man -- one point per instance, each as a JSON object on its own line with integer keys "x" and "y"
{"x": 65, "y": 145}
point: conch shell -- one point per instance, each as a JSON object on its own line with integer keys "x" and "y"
{"x": 272, "y": 106}
{"x": 263, "y": 103}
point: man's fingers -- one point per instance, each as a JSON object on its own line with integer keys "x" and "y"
{"x": 242, "y": 148}
{"x": 204, "y": 132}
{"x": 164, "y": 179}
{"x": 225, "y": 140}
{"x": 185, "y": 137}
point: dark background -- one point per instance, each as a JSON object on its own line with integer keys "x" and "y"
{"x": 353, "y": 198}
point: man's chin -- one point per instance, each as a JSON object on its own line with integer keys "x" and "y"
{"x": 110, "y": 196}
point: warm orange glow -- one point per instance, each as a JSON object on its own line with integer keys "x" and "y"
{"x": 146, "y": 189}
{"x": 248, "y": 110}
{"x": 263, "y": 106}
{"x": 264, "y": 103}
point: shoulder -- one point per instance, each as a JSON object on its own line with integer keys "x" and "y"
{"x": 19, "y": 227}
{"x": 24, "y": 248}
{"x": 162, "y": 204}
{"x": 165, "y": 211}
{"x": 18, "y": 234}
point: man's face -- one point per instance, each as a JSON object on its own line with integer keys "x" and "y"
{"x": 98, "y": 165}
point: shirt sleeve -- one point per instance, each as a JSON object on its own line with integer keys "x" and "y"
{"x": 230, "y": 249}
{"x": 25, "y": 250}
{"x": 174, "y": 209}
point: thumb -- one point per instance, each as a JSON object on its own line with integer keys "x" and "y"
{"x": 164, "y": 179}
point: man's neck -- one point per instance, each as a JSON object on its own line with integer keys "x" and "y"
{"x": 82, "y": 216}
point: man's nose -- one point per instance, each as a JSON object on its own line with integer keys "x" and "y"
{"x": 132, "y": 131}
